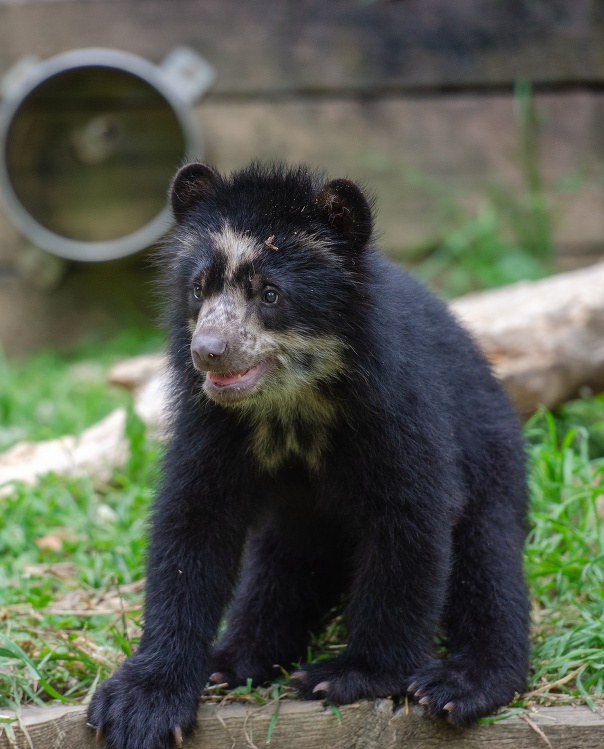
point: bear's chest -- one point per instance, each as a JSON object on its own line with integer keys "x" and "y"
{"x": 301, "y": 431}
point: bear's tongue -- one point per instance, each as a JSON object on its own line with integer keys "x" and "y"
{"x": 227, "y": 378}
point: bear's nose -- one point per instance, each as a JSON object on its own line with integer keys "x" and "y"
{"x": 207, "y": 350}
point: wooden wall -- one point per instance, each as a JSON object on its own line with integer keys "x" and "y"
{"x": 394, "y": 93}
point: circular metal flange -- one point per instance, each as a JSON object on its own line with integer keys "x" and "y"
{"x": 162, "y": 80}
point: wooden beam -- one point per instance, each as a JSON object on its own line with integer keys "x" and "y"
{"x": 311, "y": 725}
{"x": 263, "y": 47}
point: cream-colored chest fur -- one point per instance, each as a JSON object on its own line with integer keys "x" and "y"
{"x": 299, "y": 429}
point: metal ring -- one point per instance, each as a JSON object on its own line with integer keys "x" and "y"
{"x": 93, "y": 57}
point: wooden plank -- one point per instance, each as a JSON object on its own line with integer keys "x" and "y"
{"x": 263, "y": 47}
{"x": 420, "y": 154}
{"x": 460, "y": 143}
{"x": 308, "y": 725}
{"x": 417, "y": 154}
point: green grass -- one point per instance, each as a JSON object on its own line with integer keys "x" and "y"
{"x": 69, "y": 546}
{"x": 565, "y": 556}
{"x": 51, "y": 394}
{"x": 73, "y": 549}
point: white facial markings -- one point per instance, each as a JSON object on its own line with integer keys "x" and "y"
{"x": 309, "y": 358}
{"x": 236, "y": 247}
{"x": 317, "y": 244}
{"x": 290, "y": 414}
{"x": 221, "y": 313}
{"x": 227, "y": 315}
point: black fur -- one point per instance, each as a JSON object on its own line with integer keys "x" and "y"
{"x": 416, "y": 515}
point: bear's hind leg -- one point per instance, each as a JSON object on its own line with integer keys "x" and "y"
{"x": 394, "y": 607}
{"x": 486, "y": 620}
{"x": 292, "y": 575}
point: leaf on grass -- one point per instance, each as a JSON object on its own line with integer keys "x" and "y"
{"x": 335, "y": 710}
{"x": 273, "y": 722}
{"x": 501, "y": 716}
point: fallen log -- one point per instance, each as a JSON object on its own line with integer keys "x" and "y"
{"x": 544, "y": 339}
{"x": 308, "y": 725}
{"x": 97, "y": 452}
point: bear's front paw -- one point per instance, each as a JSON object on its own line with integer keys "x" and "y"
{"x": 460, "y": 691}
{"x": 134, "y": 710}
{"x": 341, "y": 680}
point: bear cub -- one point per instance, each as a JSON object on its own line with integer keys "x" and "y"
{"x": 337, "y": 438}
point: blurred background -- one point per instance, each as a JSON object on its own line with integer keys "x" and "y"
{"x": 478, "y": 125}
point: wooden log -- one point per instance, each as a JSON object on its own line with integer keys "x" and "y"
{"x": 545, "y": 340}
{"x": 97, "y": 452}
{"x": 308, "y": 725}
{"x": 133, "y": 372}
{"x": 148, "y": 376}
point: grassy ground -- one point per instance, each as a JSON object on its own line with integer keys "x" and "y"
{"x": 72, "y": 550}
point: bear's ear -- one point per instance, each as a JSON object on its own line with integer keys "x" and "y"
{"x": 347, "y": 210}
{"x": 191, "y": 185}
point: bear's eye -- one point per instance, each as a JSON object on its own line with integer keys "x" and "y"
{"x": 270, "y": 296}
{"x": 197, "y": 290}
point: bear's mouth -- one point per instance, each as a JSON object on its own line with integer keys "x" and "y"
{"x": 230, "y": 386}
